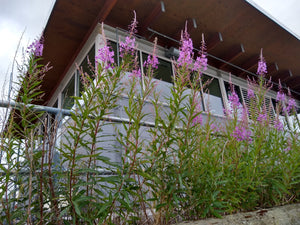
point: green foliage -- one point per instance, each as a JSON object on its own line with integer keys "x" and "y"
{"x": 171, "y": 168}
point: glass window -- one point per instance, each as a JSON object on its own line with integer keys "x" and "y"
{"x": 164, "y": 70}
{"x": 212, "y": 95}
{"x": 114, "y": 48}
{"x": 237, "y": 90}
{"x": 188, "y": 92}
{"x": 163, "y": 73}
{"x": 283, "y": 118}
{"x": 86, "y": 67}
{"x": 68, "y": 92}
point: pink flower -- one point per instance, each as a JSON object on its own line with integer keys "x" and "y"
{"x": 135, "y": 73}
{"x": 105, "y": 56}
{"x": 133, "y": 25}
{"x": 262, "y": 66}
{"x": 201, "y": 61}
{"x": 278, "y": 125}
{"x": 128, "y": 46}
{"x": 36, "y": 47}
{"x": 152, "y": 61}
{"x": 198, "y": 118}
{"x": 262, "y": 117}
{"x": 234, "y": 99}
{"x": 241, "y": 134}
{"x": 280, "y": 96}
{"x": 186, "y": 49}
{"x": 200, "y": 64}
{"x": 291, "y": 105}
{"x": 250, "y": 93}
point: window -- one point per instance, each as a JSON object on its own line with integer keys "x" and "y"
{"x": 86, "y": 67}
{"x": 68, "y": 92}
{"x": 113, "y": 46}
{"x": 283, "y": 117}
{"x": 237, "y": 90}
{"x": 164, "y": 73}
{"x": 212, "y": 95}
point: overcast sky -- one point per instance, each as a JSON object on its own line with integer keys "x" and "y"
{"x": 17, "y": 17}
{"x": 30, "y": 17}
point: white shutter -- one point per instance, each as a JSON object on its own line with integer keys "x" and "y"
{"x": 267, "y": 106}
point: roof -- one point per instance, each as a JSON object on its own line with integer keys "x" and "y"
{"x": 234, "y": 31}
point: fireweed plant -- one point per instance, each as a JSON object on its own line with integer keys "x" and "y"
{"x": 159, "y": 164}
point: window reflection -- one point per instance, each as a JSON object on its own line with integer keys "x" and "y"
{"x": 68, "y": 93}
{"x": 113, "y": 46}
{"x": 282, "y": 116}
{"x": 86, "y": 67}
{"x": 164, "y": 70}
{"x": 164, "y": 74}
{"x": 212, "y": 95}
{"x": 237, "y": 90}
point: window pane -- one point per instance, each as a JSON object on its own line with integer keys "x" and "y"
{"x": 113, "y": 47}
{"x": 67, "y": 94}
{"x": 282, "y": 115}
{"x": 86, "y": 67}
{"x": 236, "y": 89}
{"x": 212, "y": 95}
{"x": 164, "y": 70}
{"x": 238, "y": 92}
{"x": 188, "y": 92}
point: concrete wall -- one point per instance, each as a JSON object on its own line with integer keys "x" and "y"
{"x": 283, "y": 215}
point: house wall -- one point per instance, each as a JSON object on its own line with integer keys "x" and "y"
{"x": 215, "y": 104}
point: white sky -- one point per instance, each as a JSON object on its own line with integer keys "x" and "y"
{"x": 18, "y": 17}
{"x": 30, "y": 17}
{"x": 284, "y": 12}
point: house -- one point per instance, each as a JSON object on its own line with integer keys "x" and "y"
{"x": 234, "y": 31}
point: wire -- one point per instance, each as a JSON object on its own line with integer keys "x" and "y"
{"x": 219, "y": 59}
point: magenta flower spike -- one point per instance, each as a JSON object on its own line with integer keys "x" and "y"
{"x": 152, "y": 60}
{"x": 280, "y": 97}
{"x": 198, "y": 119}
{"x": 201, "y": 61}
{"x": 241, "y": 134}
{"x": 278, "y": 125}
{"x": 262, "y": 66}
{"x": 36, "y": 48}
{"x": 291, "y": 105}
{"x": 250, "y": 93}
{"x": 186, "y": 49}
{"x": 128, "y": 46}
{"x": 105, "y": 56}
{"x": 136, "y": 73}
{"x": 234, "y": 99}
{"x": 262, "y": 118}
